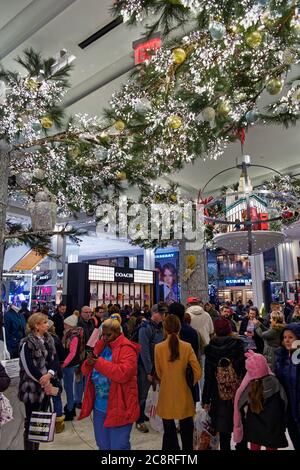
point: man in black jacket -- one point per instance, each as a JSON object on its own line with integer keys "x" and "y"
{"x": 58, "y": 319}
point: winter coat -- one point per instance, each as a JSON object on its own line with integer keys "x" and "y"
{"x": 175, "y": 400}
{"x": 257, "y": 339}
{"x": 36, "y": 358}
{"x": 58, "y": 321}
{"x": 150, "y": 334}
{"x": 88, "y": 328}
{"x": 4, "y": 379}
{"x": 268, "y": 427}
{"x": 202, "y": 322}
{"x": 15, "y": 325}
{"x": 272, "y": 341}
{"x": 289, "y": 375}
{"x": 221, "y": 411}
{"x": 123, "y": 405}
{"x": 192, "y": 336}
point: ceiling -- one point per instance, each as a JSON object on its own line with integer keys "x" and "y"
{"x": 101, "y": 68}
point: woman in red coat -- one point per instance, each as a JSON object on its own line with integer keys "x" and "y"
{"x": 111, "y": 389}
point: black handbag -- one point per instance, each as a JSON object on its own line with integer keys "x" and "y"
{"x": 189, "y": 375}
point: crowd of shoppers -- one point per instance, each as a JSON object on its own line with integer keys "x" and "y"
{"x": 243, "y": 367}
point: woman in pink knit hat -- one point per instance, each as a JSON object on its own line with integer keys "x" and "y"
{"x": 260, "y": 406}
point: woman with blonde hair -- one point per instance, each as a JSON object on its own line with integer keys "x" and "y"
{"x": 111, "y": 390}
{"x": 38, "y": 371}
{"x": 172, "y": 357}
{"x": 271, "y": 337}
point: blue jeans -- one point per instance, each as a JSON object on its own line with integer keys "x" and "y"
{"x": 57, "y": 405}
{"x": 79, "y": 388}
{"x": 117, "y": 438}
{"x": 68, "y": 376}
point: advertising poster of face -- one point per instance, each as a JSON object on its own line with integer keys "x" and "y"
{"x": 167, "y": 267}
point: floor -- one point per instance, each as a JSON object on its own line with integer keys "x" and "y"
{"x": 79, "y": 435}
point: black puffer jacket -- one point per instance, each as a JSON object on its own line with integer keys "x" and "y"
{"x": 266, "y": 428}
{"x": 4, "y": 379}
{"x": 221, "y": 411}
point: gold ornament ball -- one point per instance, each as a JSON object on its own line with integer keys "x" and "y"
{"x": 224, "y": 108}
{"x": 157, "y": 198}
{"x": 32, "y": 84}
{"x": 47, "y": 122}
{"x": 174, "y": 122}
{"x": 74, "y": 152}
{"x": 121, "y": 175}
{"x": 104, "y": 138}
{"x": 173, "y": 198}
{"x": 138, "y": 227}
{"x": 179, "y": 55}
{"x": 274, "y": 86}
{"x": 254, "y": 39}
{"x": 120, "y": 125}
{"x": 298, "y": 95}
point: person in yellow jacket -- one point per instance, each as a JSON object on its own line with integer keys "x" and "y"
{"x": 175, "y": 400}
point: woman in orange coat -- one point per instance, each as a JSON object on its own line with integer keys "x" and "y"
{"x": 175, "y": 400}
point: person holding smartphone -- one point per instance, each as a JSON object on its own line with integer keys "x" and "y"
{"x": 38, "y": 371}
{"x": 111, "y": 391}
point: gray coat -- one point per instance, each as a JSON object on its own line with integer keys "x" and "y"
{"x": 42, "y": 355}
{"x": 272, "y": 341}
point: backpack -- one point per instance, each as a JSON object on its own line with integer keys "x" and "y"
{"x": 227, "y": 379}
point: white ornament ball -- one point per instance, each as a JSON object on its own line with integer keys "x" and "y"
{"x": 217, "y": 31}
{"x": 208, "y": 114}
{"x": 142, "y": 105}
{"x": 24, "y": 179}
{"x": 39, "y": 174}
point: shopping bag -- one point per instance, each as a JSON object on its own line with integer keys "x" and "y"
{"x": 94, "y": 337}
{"x": 150, "y": 410}
{"x": 12, "y": 367}
{"x": 42, "y": 426}
{"x": 204, "y": 436}
{"x": 6, "y": 411}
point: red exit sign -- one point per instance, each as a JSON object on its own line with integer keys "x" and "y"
{"x": 143, "y": 49}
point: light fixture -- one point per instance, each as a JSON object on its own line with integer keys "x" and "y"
{"x": 63, "y": 58}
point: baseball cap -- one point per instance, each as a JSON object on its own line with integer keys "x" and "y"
{"x": 191, "y": 300}
{"x": 159, "y": 308}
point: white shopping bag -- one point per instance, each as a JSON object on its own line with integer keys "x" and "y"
{"x": 150, "y": 410}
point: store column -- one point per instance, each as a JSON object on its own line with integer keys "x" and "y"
{"x": 149, "y": 259}
{"x": 57, "y": 265}
{"x": 193, "y": 273}
{"x": 258, "y": 276}
{"x": 285, "y": 261}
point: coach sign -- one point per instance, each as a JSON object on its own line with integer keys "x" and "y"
{"x": 124, "y": 275}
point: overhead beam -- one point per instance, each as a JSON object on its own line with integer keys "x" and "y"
{"x": 28, "y": 21}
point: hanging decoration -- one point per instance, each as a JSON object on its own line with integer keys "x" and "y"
{"x": 246, "y": 220}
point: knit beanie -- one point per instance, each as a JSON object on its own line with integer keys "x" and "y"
{"x": 222, "y": 327}
{"x": 72, "y": 320}
{"x": 257, "y": 367}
